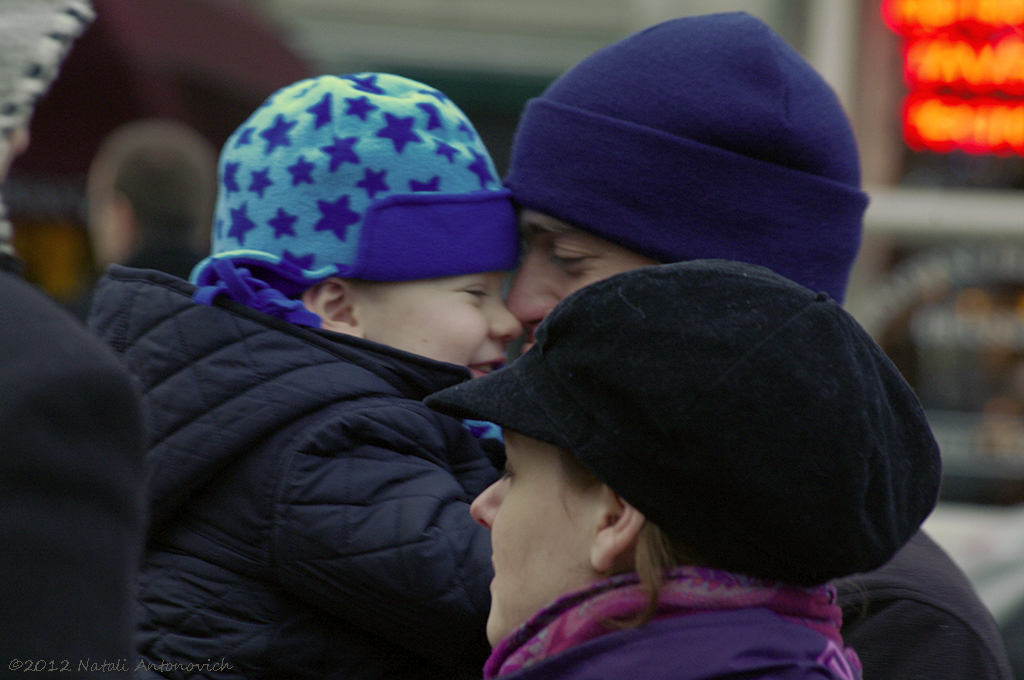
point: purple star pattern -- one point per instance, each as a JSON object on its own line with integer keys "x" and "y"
{"x": 244, "y": 139}
{"x": 368, "y": 84}
{"x": 322, "y": 111}
{"x": 277, "y": 134}
{"x": 359, "y": 106}
{"x": 283, "y": 223}
{"x": 230, "y": 183}
{"x": 302, "y": 262}
{"x": 260, "y": 181}
{"x": 373, "y": 182}
{"x": 302, "y": 171}
{"x": 433, "y": 185}
{"x": 479, "y": 167}
{"x": 341, "y": 152}
{"x": 240, "y": 223}
{"x": 446, "y": 150}
{"x": 436, "y": 94}
{"x": 433, "y": 116}
{"x": 337, "y": 217}
{"x": 399, "y": 131}
{"x": 303, "y": 92}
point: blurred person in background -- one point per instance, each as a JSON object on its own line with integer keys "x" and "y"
{"x": 149, "y": 197}
{"x": 71, "y": 517}
{"x": 709, "y": 137}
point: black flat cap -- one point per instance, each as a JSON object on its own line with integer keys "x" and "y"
{"x": 750, "y": 418}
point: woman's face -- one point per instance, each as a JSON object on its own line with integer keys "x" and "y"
{"x": 542, "y": 531}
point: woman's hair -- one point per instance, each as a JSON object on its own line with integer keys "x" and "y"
{"x": 655, "y": 553}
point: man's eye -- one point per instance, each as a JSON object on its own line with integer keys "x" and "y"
{"x": 567, "y": 261}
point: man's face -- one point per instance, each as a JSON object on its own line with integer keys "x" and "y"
{"x": 557, "y": 260}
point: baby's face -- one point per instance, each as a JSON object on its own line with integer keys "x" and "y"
{"x": 459, "y": 319}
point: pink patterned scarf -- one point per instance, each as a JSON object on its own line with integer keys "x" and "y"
{"x": 583, "y": 615}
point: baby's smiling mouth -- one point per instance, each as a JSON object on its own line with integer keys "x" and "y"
{"x": 485, "y": 367}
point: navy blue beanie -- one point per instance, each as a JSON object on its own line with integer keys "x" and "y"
{"x": 701, "y": 137}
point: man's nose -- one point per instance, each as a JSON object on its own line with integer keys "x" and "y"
{"x": 530, "y": 298}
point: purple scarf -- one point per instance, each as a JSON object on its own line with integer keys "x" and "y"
{"x": 239, "y": 284}
{"x": 583, "y": 615}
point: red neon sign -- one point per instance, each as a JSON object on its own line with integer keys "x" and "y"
{"x": 964, "y": 65}
{"x": 977, "y": 125}
{"x": 910, "y": 17}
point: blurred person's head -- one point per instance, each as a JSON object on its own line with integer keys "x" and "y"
{"x": 707, "y": 413}
{"x": 35, "y": 35}
{"x": 701, "y": 137}
{"x": 151, "y": 183}
{"x": 367, "y": 204}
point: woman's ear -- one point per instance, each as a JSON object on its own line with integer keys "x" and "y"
{"x": 614, "y": 547}
{"x": 334, "y": 300}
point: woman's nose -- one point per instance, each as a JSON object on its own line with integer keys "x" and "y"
{"x": 485, "y": 506}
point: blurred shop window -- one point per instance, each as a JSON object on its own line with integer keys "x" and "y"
{"x": 952, "y": 320}
{"x": 55, "y": 251}
{"x": 949, "y": 311}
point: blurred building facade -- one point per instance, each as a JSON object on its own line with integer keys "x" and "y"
{"x": 488, "y": 55}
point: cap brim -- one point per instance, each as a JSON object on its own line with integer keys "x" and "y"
{"x": 511, "y": 397}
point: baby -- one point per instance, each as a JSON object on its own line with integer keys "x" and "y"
{"x": 309, "y": 516}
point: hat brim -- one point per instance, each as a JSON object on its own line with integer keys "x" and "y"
{"x": 513, "y": 398}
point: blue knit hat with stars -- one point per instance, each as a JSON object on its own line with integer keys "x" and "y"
{"x": 366, "y": 176}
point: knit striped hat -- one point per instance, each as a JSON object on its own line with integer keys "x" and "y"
{"x": 35, "y": 36}
{"x": 368, "y": 176}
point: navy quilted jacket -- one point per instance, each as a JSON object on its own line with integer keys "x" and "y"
{"x": 309, "y": 517}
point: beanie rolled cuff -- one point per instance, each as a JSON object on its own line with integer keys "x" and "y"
{"x": 673, "y": 199}
{"x": 404, "y": 237}
{"x": 423, "y": 236}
